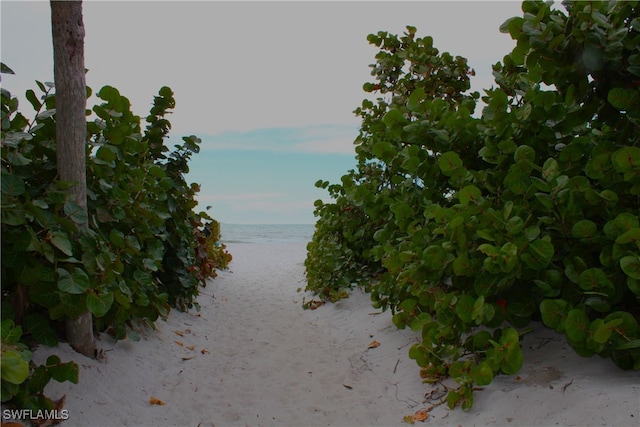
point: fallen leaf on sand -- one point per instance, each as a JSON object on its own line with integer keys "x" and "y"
{"x": 156, "y": 401}
{"x": 180, "y": 343}
{"x": 204, "y": 351}
{"x": 420, "y": 415}
{"x": 191, "y": 347}
{"x": 178, "y": 333}
{"x": 188, "y": 358}
{"x": 313, "y": 304}
{"x": 374, "y": 344}
{"x": 347, "y": 386}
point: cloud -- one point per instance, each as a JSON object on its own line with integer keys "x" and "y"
{"x": 327, "y": 146}
{"x": 315, "y": 139}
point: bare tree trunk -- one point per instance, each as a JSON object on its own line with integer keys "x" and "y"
{"x": 71, "y": 130}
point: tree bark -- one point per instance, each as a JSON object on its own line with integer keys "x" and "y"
{"x": 71, "y": 130}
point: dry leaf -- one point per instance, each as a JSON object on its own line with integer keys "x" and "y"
{"x": 179, "y": 333}
{"x": 374, "y": 344}
{"x": 203, "y": 351}
{"x": 420, "y": 415}
{"x": 191, "y": 347}
{"x": 313, "y": 304}
{"x": 180, "y": 343}
{"x": 347, "y": 386}
{"x": 156, "y": 401}
{"x": 188, "y": 358}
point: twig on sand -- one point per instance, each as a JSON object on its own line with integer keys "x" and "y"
{"x": 564, "y": 387}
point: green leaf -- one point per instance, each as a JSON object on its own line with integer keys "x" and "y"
{"x": 513, "y": 26}
{"x": 453, "y": 398}
{"x": 449, "y": 162}
{"x": 598, "y": 165}
{"x": 469, "y": 194}
{"x": 75, "y": 283}
{"x": 633, "y": 285}
{"x": 393, "y": 118}
{"x": 584, "y": 229}
{"x": 75, "y": 212}
{"x": 482, "y": 374}
{"x": 524, "y": 153}
{"x": 623, "y": 99}
{"x": 631, "y": 266}
{"x": 40, "y": 329}
{"x": 462, "y": 266}
{"x": 603, "y": 331}
{"x": 418, "y": 353}
{"x": 116, "y": 237}
{"x": 464, "y": 308}
{"x": 436, "y": 258}
{"x": 630, "y": 236}
{"x": 63, "y": 371}
{"x": 99, "y": 305}
{"x": 538, "y": 254}
{"x": 5, "y": 69}
{"x": 416, "y": 97}
{"x": 12, "y": 185}
{"x": 514, "y": 225}
{"x": 550, "y": 169}
{"x": 626, "y": 159}
{"x": 554, "y": 312}
{"x": 508, "y": 257}
{"x": 10, "y": 332}
{"x": 513, "y": 357}
{"x": 107, "y": 154}
{"x": 61, "y": 240}
{"x": 33, "y": 99}
{"x": 13, "y": 366}
{"x": 17, "y": 159}
{"x": 629, "y": 345}
{"x": 594, "y": 279}
{"x": 577, "y": 325}
{"x": 157, "y": 172}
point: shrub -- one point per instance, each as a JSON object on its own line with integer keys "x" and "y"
{"x": 529, "y": 212}
{"x": 145, "y": 249}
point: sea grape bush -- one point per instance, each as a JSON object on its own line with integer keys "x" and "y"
{"x": 528, "y": 212}
{"x": 23, "y": 382}
{"x": 146, "y": 249}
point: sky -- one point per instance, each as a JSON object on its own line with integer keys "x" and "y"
{"x": 269, "y": 87}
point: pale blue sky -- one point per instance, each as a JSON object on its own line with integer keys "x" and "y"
{"x": 269, "y": 87}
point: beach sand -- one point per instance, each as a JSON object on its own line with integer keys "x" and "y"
{"x": 252, "y": 356}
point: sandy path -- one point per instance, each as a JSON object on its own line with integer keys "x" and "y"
{"x": 253, "y": 357}
{"x": 265, "y": 361}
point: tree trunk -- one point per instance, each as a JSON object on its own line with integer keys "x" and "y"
{"x": 71, "y": 130}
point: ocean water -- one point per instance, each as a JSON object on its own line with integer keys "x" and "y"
{"x": 266, "y": 233}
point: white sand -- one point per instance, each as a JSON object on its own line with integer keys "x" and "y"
{"x": 259, "y": 359}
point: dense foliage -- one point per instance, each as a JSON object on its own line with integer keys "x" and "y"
{"x": 474, "y": 226}
{"x": 146, "y": 248}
